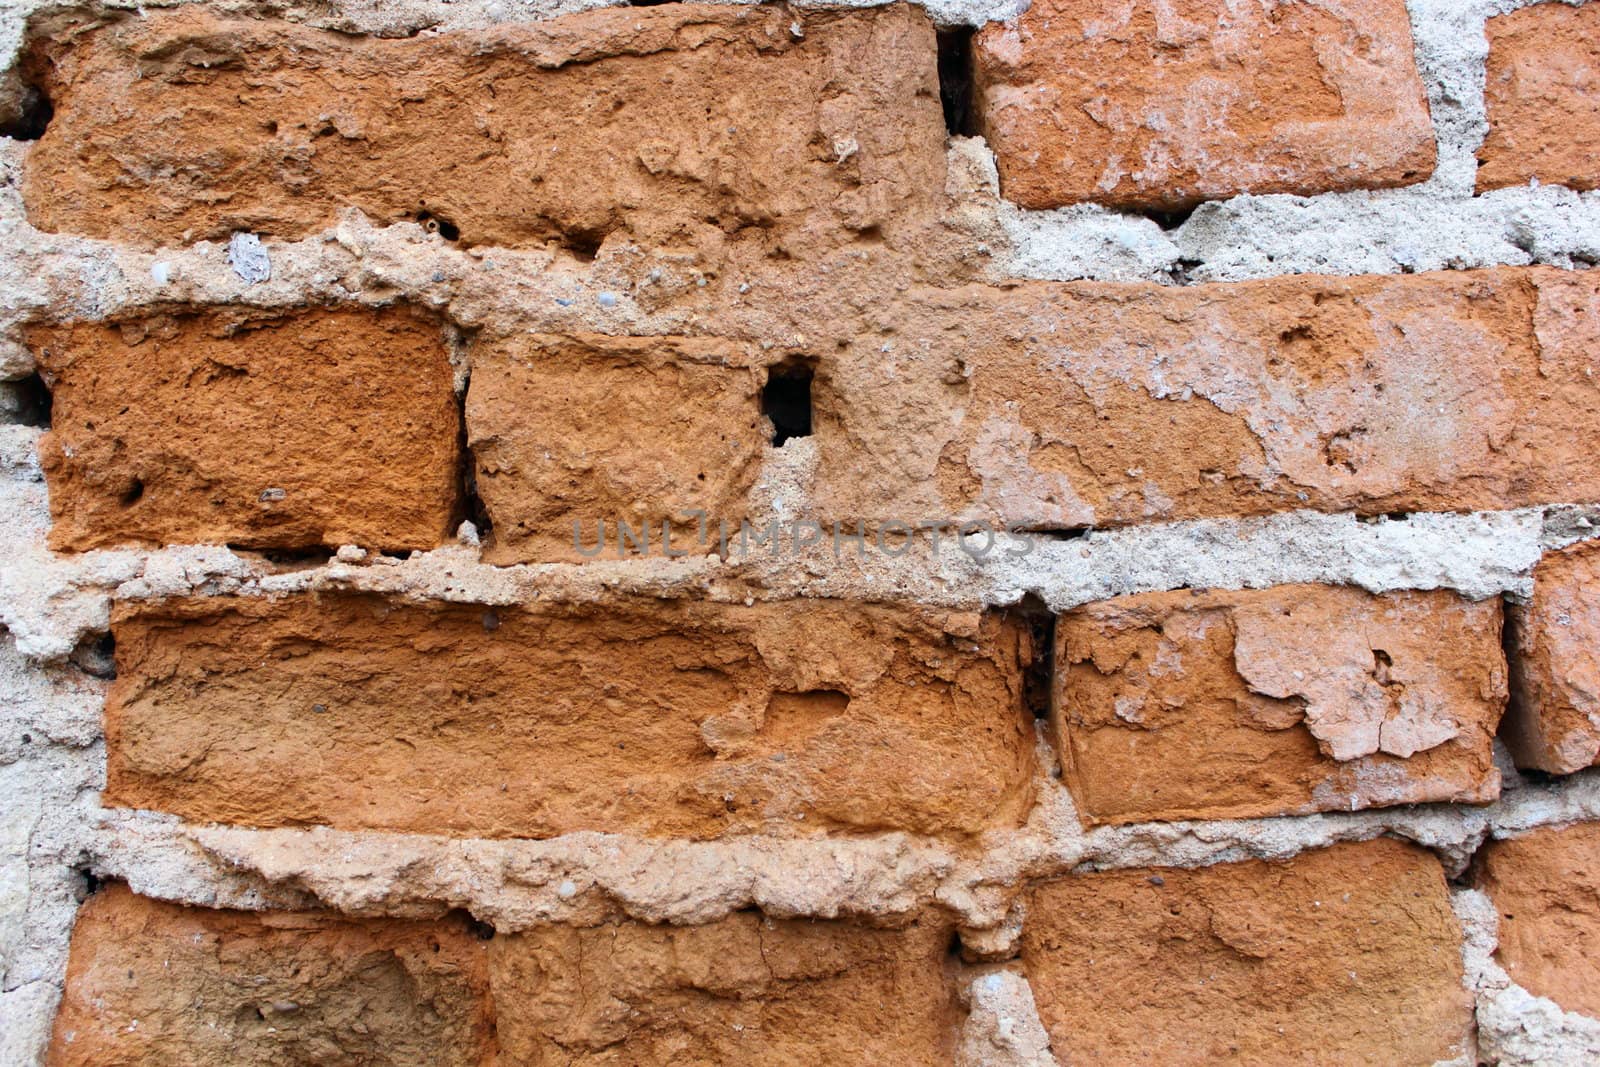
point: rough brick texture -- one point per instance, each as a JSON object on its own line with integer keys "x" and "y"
{"x": 679, "y": 718}
{"x": 682, "y": 431}
{"x": 1079, "y": 405}
{"x": 1554, "y": 722}
{"x": 1163, "y": 105}
{"x": 1099, "y": 405}
{"x": 1192, "y": 704}
{"x": 747, "y": 989}
{"x": 158, "y": 984}
{"x": 1546, "y": 888}
{"x": 663, "y": 126}
{"x": 1347, "y": 955}
{"x": 1543, "y": 94}
{"x": 313, "y": 428}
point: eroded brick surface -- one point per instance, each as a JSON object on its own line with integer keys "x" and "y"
{"x": 1546, "y": 888}
{"x": 665, "y": 126}
{"x": 314, "y": 428}
{"x": 1554, "y": 722}
{"x": 665, "y": 718}
{"x": 681, "y": 431}
{"x": 1100, "y": 405}
{"x": 1542, "y": 89}
{"x": 746, "y": 989}
{"x": 1195, "y": 704}
{"x": 1346, "y": 955}
{"x": 1161, "y": 106}
{"x": 153, "y": 984}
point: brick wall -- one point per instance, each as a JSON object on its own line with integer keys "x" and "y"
{"x": 973, "y": 534}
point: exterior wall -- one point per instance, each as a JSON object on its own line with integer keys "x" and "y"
{"x": 550, "y": 532}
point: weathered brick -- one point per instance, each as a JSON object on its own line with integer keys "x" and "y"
{"x": 663, "y": 125}
{"x": 1554, "y": 721}
{"x": 682, "y": 430}
{"x": 1346, "y": 955}
{"x": 314, "y": 428}
{"x": 1542, "y": 90}
{"x": 1164, "y": 105}
{"x": 1194, "y": 704}
{"x": 1101, "y": 405}
{"x": 1086, "y": 404}
{"x": 151, "y": 983}
{"x": 746, "y": 989}
{"x": 1546, "y": 887}
{"x": 667, "y": 718}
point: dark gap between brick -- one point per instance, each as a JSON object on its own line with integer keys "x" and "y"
{"x": 32, "y": 119}
{"x": 34, "y": 402}
{"x": 786, "y": 401}
{"x": 1038, "y": 674}
{"x": 957, "y": 90}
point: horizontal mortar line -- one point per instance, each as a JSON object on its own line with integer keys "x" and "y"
{"x": 515, "y": 883}
{"x": 1479, "y": 554}
{"x": 399, "y": 261}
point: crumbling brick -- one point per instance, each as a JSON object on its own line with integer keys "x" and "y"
{"x": 1198, "y": 705}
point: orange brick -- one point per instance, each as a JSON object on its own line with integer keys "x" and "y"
{"x": 687, "y": 719}
{"x": 744, "y": 990}
{"x": 153, "y": 984}
{"x": 682, "y": 431}
{"x": 1546, "y": 887}
{"x": 1102, "y": 405}
{"x": 264, "y": 431}
{"x": 1200, "y": 705}
{"x": 1164, "y": 105}
{"x": 1542, "y": 90}
{"x": 1346, "y": 955}
{"x": 668, "y": 125}
{"x": 1554, "y": 721}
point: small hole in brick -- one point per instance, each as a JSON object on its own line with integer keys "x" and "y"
{"x": 443, "y": 227}
{"x": 957, "y": 93}
{"x": 89, "y": 883}
{"x": 648, "y": 3}
{"x": 786, "y": 401}
{"x": 1169, "y": 220}
{"x": 29, "y": 402}
{"x": 133, "y": 494}
{"x": 33, "y": 117}
{"x": 477, "y": 927}
{"x": 1066, "y": 533}
{"x": 585, "y": 244}
{"x": 96, "y": 655}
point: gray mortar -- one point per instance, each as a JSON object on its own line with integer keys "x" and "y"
{"x": 1515, "y": 1028}
{"x": 52, "y": 822}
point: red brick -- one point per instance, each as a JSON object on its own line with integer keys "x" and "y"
{"x": 669, "y": 125}
{"x": 151, "y": 984}
{"x": 1102, "y": 405}
{"x": 1542, "y": 90}
{"x": 1164, "y": 105}
{"x": 1202, "y": 705}
{"x": 682, "y": 431}
{"x": 1554, "y": 721}
{"x": 687, "y": 719}
{"x": 744, "y": 990}
{"x": 1346, "y": 955}
{"x": 1546, "y": 888}
{"x": 259, "y": 430}
{"x": 1087, "y": 404}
